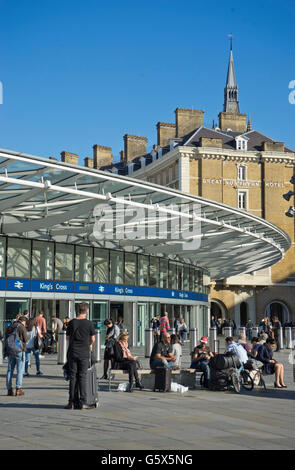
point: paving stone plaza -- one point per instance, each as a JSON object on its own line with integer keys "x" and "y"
{"x": 146, "y": 420}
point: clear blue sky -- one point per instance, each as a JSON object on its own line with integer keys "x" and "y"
{"x": 77, "y": 73}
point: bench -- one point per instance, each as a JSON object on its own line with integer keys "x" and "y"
{"x": 186, "y": 377}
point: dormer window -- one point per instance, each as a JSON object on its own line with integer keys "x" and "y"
{"x": 241, "y": 142}
{"x": 142, "y": 162}
{"x": 130, "y": 167}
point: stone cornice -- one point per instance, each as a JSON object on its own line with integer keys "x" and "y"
{"x": 235, "y": 155}
{"x": 216, "y": 153}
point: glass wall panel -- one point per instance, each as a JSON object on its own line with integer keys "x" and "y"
{"x": 179, "y": 276}
{"x": 154, "y": 271}
{"x": 42, "y": 260}
{"x": 101, "y": 266}
{"x": 99, "y": 315}
{"x": 205, "y": 283}
{"x": 191, "y": 279}
{"x": 18, "y": 258}
{"x": 142, "y": 322}
{"x": 116, "y": 267}
{"x": 186, "y": 275}
{"x": 64, "y": 262}
{"x": 143, "y": 270}
{"x": 172, "y": 275}
{"x": 83, "y": 264}
{"x": 2, "y": 256}
{"x": 2, "y": 322}
{"x": 130, "y": 269}
{"x": 163, "y": 274}
{"x": 197, "y": 280}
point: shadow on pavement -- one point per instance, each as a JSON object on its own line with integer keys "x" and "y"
{"x": 29, "y": 405}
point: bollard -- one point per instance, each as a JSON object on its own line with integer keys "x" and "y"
{"x": 96, "y": 346}
{"x": 62, "y": 348}
{"x": 216, "y": 346}
{"x": 288, "y": 337}
{"x": 212, "y": 338}
{"x": 227, "y": 331}
{"x": 149, "y": 336}
{"x": 280, "y": 337}
{"x": 254, "y": 331}
{"x": 193, "y": 334}
{"x": 242, "y": 330}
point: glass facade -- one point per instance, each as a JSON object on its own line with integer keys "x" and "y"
{"x": 18, "y": 258}
{"x": 130, "y": 269}
{"x": 42, "y": 260}
{"x": 83, "y": 264}
{"x": 143, "y": 270}
{"x": 101, "y": 266}
{"x": 173, "y": 275}
{"x": 64, "y": 262}
{"x": 116, "y": 267}
{"x": 2, "y": 256}
{"x": 154, "y": 271}
{"x": 163, "y": 281}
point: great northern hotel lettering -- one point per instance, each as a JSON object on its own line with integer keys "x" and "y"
{"x": 242, "y": 184}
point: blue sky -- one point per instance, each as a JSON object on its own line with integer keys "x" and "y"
{"x": 77, "y": 73}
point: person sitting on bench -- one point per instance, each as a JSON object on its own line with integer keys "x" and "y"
{"x": 126, "y": 361}
{"x": 270, "y": 365}
{"x": 161, "y": 355}
{"x": 200, "y": 359}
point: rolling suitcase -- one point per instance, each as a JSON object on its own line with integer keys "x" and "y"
{"x": 91, "y": 387}
{"x": 162, "y": 379}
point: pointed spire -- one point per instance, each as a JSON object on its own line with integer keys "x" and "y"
{"x": 231, "y": 103}
{"x": 249, "y": 126}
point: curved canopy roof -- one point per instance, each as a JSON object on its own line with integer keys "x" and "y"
{"x": 46, "y": 199}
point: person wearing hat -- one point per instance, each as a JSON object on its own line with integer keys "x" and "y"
{"x": 200, "y": 359}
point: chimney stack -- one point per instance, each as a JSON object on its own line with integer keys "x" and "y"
{"x": 188, "y": 120}
{"x": 134, "y": 146}
{"x": 165, "y": 131}
{"x": 68, "y": 157}
{"x": 102, "y": 156}
{"x": 89, "y": 162}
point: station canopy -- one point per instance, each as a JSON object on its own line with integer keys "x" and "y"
{"x": 49, "y": 200}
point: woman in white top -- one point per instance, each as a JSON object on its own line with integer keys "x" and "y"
{"x": 182, "y": 330}
{"x": 176, "y": 350}
{"x": 32, "y": 332}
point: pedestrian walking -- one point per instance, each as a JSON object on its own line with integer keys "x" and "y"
{"x": 276, "y": 325}
{"x": 15, "y": 347}
{"x": 41, "y": 322}
{"x": 32, "y": 332}
{"x": 57, "y": 328}
{"x": 249, "y": 325}
{"x": 164, "y": 324}
{"x": 182, "y": 330}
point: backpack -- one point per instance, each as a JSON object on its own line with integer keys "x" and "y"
{"x": 13, "y": 343}
{"x": 218, "y": 380}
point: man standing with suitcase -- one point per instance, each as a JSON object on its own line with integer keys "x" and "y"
{"x": 80, "y": 335}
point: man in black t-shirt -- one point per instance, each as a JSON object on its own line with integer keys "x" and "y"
{"x": 80, "y": 335}
{"x": 161, "y": 355}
